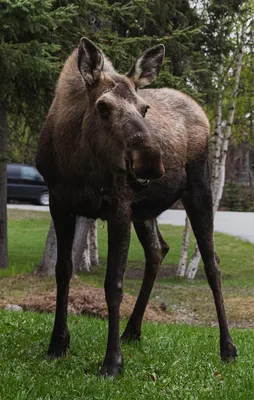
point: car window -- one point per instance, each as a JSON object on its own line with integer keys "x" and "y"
{"x": 30, "y": 173}
{"x": 13, "y": 171}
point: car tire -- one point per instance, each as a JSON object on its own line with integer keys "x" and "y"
{"x": 44, "y": 199}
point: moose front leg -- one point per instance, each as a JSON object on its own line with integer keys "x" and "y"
{"x": 65, "y": 229}
{"x": 118, "y": 245}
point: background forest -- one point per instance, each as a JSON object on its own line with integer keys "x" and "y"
{"x": 201, "y": 39}
{"x": 209, "y": 55}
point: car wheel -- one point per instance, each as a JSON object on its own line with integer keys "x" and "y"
{"x": 44, "y": 199}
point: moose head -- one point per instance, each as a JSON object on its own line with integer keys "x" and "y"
{"x": 115, "y": 121}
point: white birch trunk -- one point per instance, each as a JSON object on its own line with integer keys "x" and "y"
{"x": 94, "y": 256}
{"x": 85, "y": 265}
{"x": 220, "y": 162}
{"x": 80, "y": 251}
{"x": 48, "y": 262}
{"x": 228, "y": 130}
{"x": 194, "y": 264}
{"x": 218, "y": 140}
{"x": 184, "y": 251}
{"x": 217, "y": 133}
{"x": 90, "y": 256}
{"x": 79, "y": 245}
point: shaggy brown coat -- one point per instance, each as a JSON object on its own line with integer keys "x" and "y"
{"x": 111, "y": 150}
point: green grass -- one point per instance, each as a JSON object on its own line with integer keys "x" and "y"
{"x": 27, "y": 236}
{"x": 171, "y": 362}
{"x": 27, "y": 233}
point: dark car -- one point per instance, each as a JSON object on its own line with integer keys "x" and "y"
{"x": 25, "y": 183}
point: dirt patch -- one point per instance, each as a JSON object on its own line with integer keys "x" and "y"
{"x": 82, "y": 300}
{"x": 173, "y": 303}
{"x": 242, "y": 309}
{"x": 90, "y": 301}
{"x": 135, "y": 271}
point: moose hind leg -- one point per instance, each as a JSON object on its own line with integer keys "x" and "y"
{"x": 197, "y": 201}
{"x": 65, "y": 228}
{"x": 155, "y": 249}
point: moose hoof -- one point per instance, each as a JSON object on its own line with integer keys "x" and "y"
{"x": 129, "y": 336}
{"x": 58, "y": 346}
{"x": 112, "y": 366}
{"x": 228, "y": 352}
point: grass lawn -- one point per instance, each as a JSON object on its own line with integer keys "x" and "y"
{"x": 27, "y": 233}
{"x": 171, "y": 362}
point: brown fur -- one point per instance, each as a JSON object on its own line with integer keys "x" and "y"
{"x": 178, "y": 126}
{"x": 102, "y": 157}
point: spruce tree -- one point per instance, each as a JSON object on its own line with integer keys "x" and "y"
{"x": 29, "y": 62}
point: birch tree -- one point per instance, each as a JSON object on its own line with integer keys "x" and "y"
{"x": 84, "y": 251}
{"x": 29, "y": 42}
{"x": 222, "y": 135}
{"x": 90, "y": 256}
{"x": 222, "y": 138}
{"x": 181, "y": 270}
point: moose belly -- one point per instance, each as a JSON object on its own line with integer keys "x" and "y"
{"x": 85, "y": 201}
{"x": 147, "y": 202}
{"x": 160, "y": 195}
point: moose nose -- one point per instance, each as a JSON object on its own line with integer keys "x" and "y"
{"x": 147, "y": 164}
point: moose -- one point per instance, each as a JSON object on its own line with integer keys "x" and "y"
{"x": 111, "y": 150}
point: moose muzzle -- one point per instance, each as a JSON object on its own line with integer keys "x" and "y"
{"x": 147, "y": 163}
{"x": 144, "y": 152}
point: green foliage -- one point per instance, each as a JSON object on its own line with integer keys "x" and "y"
{"x": 223, "y": 35}
{"x": 244, "y": 119}
{"x": 171, "y": 361}
{"x": 31, "y": 39}
{"x": 29, "y": 47}
{"x": 38, "y": 36}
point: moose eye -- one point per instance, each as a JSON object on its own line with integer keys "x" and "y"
{"x": 144, "y": 111}
{"x": 103, "y": 109}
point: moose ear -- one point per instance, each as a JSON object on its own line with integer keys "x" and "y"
{"x": 147, "y": 67}
{"x": 90, "y": 61}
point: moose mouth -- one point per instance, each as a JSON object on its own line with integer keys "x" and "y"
{"x": 141, "y": 181}
{"x": 144, "y": 182}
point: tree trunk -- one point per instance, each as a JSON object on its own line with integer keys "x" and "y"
{"x": 94, "y": 256}
{"x": 194, "y": 264}
{"x": 3, "y": 188}
{"x": 184, "y": 251}
{"x": 220, "y": 162}
{"x": 191, "y": 271}
{"x": 48, "y": 262}
{"x": 217, "y": 132}
{"x": 80, "y": 251}
{"x": 81, "y": 247}
{"x": 81, "y": 242}
{"x": 227, "y": 134}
